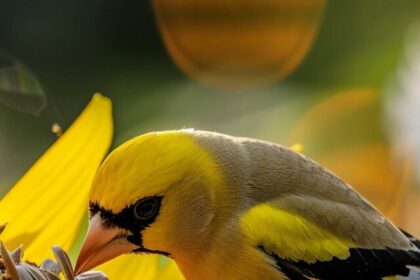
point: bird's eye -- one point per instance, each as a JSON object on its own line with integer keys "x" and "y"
{"x": 147, "y": 208}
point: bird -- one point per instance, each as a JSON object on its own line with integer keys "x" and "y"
{"x": 225, "y": 207}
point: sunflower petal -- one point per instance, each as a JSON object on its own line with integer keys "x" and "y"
{"x": 50, "y": 266}
{"x": 2, "y": 228}
{"x": 8, "y": 262}
{"x": 34, "y": 271}
{"x": 170, "y": 272}
{"x": 64, "y": 262}
{"x": 47, "y": 204}
{"x": 17, "y": 254}
{"x": 92, "y": 275}
{"x": 23, "y": 273}
{"x": 145, "y": 267}
{"x": 124, "y": 267}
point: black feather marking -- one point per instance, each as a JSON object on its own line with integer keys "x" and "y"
{"x": 362, "y": 264}
{"x": 412, "y": 239}
{"x": 126, "y": 219}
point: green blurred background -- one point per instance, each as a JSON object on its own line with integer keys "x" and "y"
{"x": 352, "y": 101}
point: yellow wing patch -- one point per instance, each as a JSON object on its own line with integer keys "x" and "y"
{"x": 290, "y": 236}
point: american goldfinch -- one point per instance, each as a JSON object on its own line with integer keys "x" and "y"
{"x": 236, "y": 208}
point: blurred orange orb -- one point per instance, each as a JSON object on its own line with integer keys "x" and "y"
{"x": 238, "y": 43}
{"x": 344, "y": 132}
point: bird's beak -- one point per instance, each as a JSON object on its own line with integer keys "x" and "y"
{"x": 101, "y": 245}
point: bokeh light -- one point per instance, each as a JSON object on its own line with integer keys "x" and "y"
{"x": 402, "y": 106}
{"x": 239, "y": 43}
{"x": 19, "y": 88}
{"x": 345, "y": 133}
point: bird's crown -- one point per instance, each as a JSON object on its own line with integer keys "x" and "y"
{"x": 147, "y": 166}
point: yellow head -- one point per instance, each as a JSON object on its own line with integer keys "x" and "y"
{"x": 154, "y": 193}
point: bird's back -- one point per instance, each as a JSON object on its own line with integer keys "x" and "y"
{"x": 288, "y": 188}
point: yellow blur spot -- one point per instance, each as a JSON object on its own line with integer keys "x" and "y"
{"x": 56, "y": 129}
{"x": 47, "y": 204}
{"x": 238, "y": 43}
{"x": 298, "y": 148}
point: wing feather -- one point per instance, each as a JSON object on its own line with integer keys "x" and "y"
{"x": 304, "y": 250}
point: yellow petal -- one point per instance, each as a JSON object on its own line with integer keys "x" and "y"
{"x": 47, "y": 204}
{"x": 169, "y": 272}
{"x": 145, "y": 267}
{"x": 127, "y": 266}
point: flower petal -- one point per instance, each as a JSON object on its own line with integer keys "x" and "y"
{"x": 125, "y": 267}
{"x": 170, "y": 272}
{"x": 47, "y": 204}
